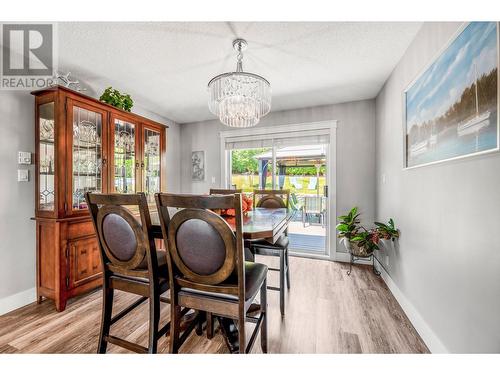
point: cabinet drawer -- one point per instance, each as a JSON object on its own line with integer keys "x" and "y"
{"x": 80, "y": 229}
{"x": 84, "y": 261}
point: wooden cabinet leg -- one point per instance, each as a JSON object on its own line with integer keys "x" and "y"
{"x": 60, "y": 304}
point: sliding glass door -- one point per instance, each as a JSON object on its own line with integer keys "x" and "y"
{"x": 295, "y": 163}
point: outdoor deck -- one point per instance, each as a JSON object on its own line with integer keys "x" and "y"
{"x": 309, "y": 239}
{"x": 306, "y": 243}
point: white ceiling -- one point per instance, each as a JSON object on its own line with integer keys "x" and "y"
{"x": 166, "y": 66}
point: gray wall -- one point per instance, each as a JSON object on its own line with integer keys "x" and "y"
{"x": 447, "y": 264}
{"x": 17, "y": 231}
{"x": 355, "y": 150}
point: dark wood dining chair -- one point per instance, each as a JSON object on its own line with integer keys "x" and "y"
{"x": 274, "y": 199}
{"x": 207, "y": 270}
{"x": 249, "y": 257}
{"x": 225, "y": 191}
{"x": 267, "y": 198}
{"x": 130, "y": 263}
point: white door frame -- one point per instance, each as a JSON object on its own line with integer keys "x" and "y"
{"x": 270, "y": 131}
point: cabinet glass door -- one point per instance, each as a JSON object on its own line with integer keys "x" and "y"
{"x": 46, "y": 166}
{"x": 151, "y": 167}
{"x": 124, "y": 165}
{"x": 87, "y": 151}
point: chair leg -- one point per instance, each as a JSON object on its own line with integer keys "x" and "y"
{"x": 242, "y": 340}
{"x": 263, "y": 310}
{"x": 175, "y": 327}
{"x": 107, "y": 309}
{"x": 199, "y": 326}
{"x": 282, "y": 283}
{"x": 210, "y": 326}
{"x": 154, "y": 321}
{"x": 287, "y": 269}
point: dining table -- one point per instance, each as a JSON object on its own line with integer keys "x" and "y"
{"x": 258, "y": 224}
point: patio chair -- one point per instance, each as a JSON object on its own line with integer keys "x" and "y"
{"x": 313, "y": 206}
{"x": 295, "y": 183}
{"x": 313, "y": 183}
{"x": 295, "y": 205}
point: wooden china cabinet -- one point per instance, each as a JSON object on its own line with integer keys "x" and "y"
{"x": 85, "y": 145}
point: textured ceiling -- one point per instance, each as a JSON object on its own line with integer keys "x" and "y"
{"x": 166, "y": 66}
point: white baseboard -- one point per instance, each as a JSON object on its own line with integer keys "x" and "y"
{"x": 17, "y": 300}
{"x": 426, "y": 333}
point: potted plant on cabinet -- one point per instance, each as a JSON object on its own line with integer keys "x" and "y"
{"x": 117, "y": 99}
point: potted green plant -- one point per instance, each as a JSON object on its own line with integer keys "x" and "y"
{"x": 117, "y": 99}
{"x": 348, "y": 224}
{"x": 387, "y": 231}
{"x": 362, "y": 242}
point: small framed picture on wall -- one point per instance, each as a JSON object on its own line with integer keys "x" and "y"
{"x": 198, "y": 165}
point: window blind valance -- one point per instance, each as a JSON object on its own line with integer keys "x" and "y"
{"x": 294, "y": 138}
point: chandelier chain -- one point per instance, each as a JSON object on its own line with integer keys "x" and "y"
{"x": 239, "y": 64}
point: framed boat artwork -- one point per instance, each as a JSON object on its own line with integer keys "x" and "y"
{"x": 451, "y": 108}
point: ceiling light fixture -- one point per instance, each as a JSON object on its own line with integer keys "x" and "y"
{"x": 239, "y": 99}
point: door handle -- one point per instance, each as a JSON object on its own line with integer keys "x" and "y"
{"x": 325, "y": 191}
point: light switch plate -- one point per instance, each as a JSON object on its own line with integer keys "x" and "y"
{"x": 23, "y": 175}
{"x": 213, "y": 180}
{"x": 24, "y": 157}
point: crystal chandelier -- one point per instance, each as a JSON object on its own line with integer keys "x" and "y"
{"x": 239, "y": 99}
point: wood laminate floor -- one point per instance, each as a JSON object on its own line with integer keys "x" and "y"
{"x": 327, "y": 312}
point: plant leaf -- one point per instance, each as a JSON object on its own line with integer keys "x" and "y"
{"x": 343, "y": 227}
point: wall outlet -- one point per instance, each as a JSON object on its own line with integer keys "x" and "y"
{"x": 23, "y": 175}
{"x": 213, "y": 180}
{"x": 24, "y": 157}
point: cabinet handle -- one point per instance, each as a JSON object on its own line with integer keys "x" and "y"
{"x": 142, "y": 165}
{"x": 104, "y": 161}
{"x": 136, "y": 164}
